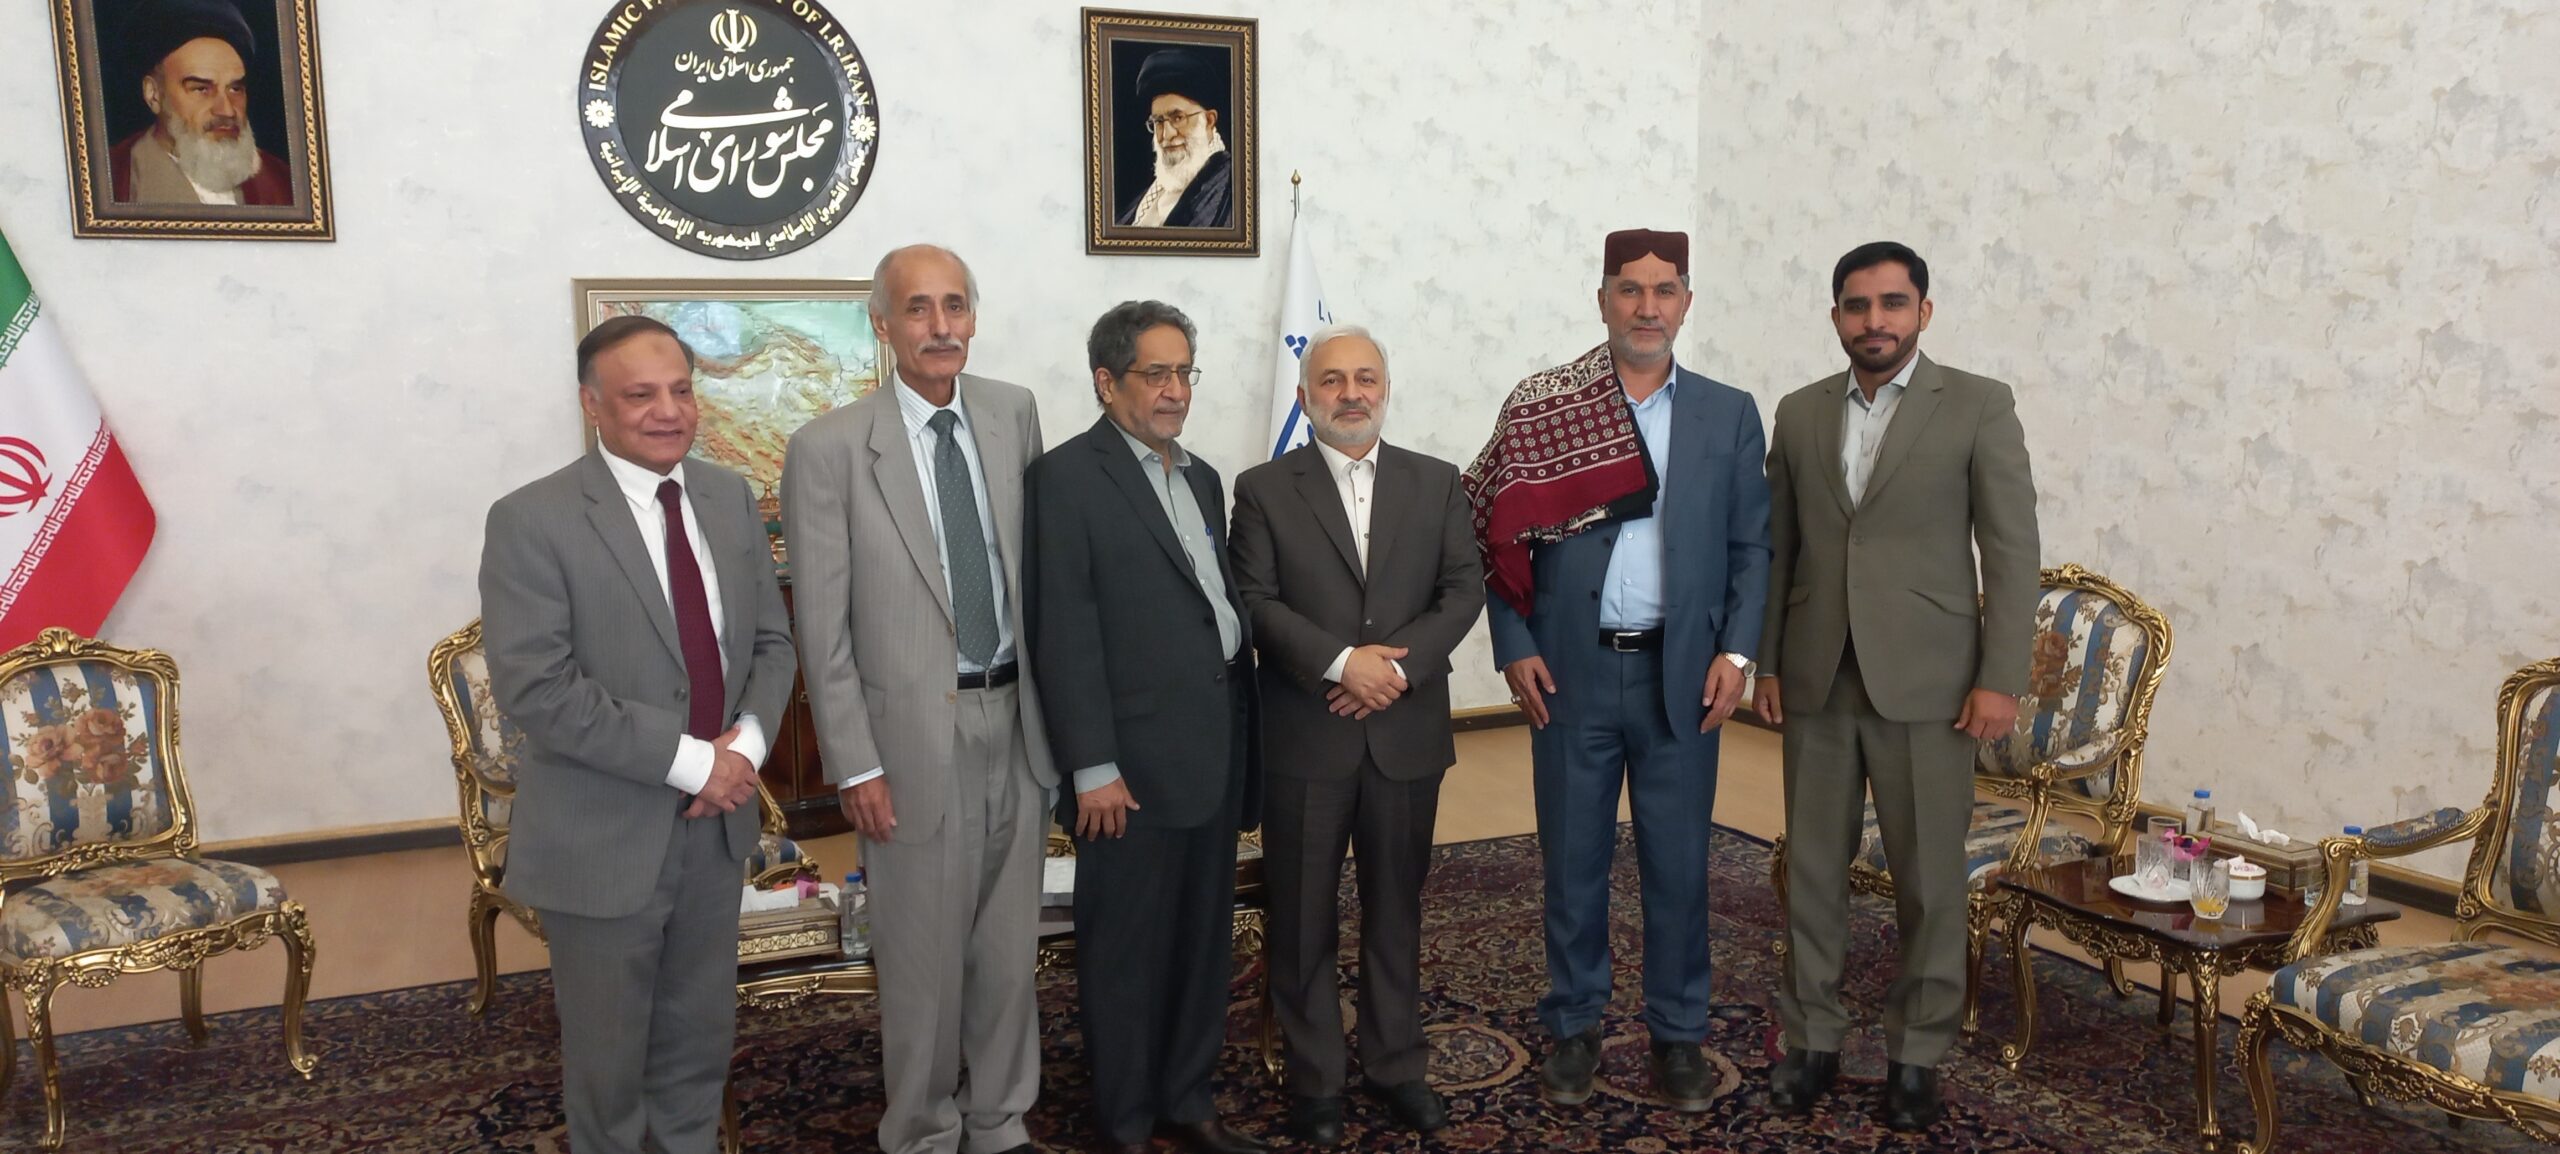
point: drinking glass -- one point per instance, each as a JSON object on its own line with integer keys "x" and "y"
{"x": 2151, "y": 863}
{"x": 2161, "y": 826}
{"x": 2210, "y": 891}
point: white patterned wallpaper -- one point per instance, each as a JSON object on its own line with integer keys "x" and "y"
{"x": 324, "y": 426}
{"x": 2276, "y": 284}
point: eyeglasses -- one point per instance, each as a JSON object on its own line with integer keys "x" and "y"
{"x": 1155, "y": 123}
{"x": 1161, "y": 376}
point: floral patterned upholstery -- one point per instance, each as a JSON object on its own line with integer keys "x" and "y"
{"x": 1995, "y": 829}
{"x": 2526, "y": 870}
{"x": 2413, "y": 829}
{"x": 83, "y": 744}
{"x": 2489, "y": 1013}
{"x": 118, "y": 905}
{"x": 2089, "y": 655}
{"x": 772, "y": 851}
{"x": 496, "y": 745}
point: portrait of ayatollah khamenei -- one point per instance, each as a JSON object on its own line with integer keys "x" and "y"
{"x": 1169, "y": 134}
{"x": 193, "y": 118}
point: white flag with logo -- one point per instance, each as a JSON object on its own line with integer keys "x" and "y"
{"x": 1302, "y": 312}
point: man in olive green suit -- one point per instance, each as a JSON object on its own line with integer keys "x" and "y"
{"x": 1886, "y": 662}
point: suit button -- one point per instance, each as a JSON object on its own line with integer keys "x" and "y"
{"x": 1211, "y": 620}
{"x": 951, "y": 695}
{"x": 1219, "y": 677}
{"x": 1595, "y": 595}
{"x": 679, "y": 695}
{"x": 1370, "y": 621}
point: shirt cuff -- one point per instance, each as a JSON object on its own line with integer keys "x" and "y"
{"x": 692, "y": 767}
{"x": 751, "y": 743}
{"x": 861, "y": 777}
{"x": 1333, "y": 672}
{"x": 1093, "y": 777}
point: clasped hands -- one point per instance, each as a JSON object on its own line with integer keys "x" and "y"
{"x": 732, "y": 782}
{"x": 1370, "y": 682}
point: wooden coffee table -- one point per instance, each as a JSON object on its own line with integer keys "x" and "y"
{"x": 2074, "y": 899}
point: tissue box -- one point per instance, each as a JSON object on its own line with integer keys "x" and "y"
{"x": 2289, "y": 868}
{"x": 809, "y": 929}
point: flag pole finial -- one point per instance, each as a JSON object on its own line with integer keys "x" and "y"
{"x": 1294, "y": 179}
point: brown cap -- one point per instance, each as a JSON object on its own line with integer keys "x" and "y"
{"x": 1627, "y": 244}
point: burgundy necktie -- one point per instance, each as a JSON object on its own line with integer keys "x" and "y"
{"x": 693, "y": 619}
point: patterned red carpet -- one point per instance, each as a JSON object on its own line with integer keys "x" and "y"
{"x": 410, "y": 1071}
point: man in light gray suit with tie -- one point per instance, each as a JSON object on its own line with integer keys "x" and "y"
{"x": 904, "y": 515}
{"x": 636, "y": 634}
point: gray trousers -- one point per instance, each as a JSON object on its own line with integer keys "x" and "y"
{"x": 1307, "y": 826}
{"x": 954, "y": 934}
{"x": 649, "y": 1003}
{"x": 1921, "y": 774}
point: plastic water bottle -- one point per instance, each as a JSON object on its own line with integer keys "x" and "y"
{"x": 853, "y": 906}
{"x": 2359, "y": 878}
{"x": 2199, "y": 814}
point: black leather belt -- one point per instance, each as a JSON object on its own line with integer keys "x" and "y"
{"x": 996, "y": 678}
{"x": 1638, "y": 641}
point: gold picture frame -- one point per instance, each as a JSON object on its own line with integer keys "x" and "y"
{"x": 770, "y": 356}
{"x": 122, "y": 116}
{"x": 1203, "y": 69}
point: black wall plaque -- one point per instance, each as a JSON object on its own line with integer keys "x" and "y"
{"x": 743, "y": 129}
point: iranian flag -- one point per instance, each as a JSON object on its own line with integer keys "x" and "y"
{"x": 73, "y": 521}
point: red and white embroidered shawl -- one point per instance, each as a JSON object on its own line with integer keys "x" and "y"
{"x": 1565, "y": 456}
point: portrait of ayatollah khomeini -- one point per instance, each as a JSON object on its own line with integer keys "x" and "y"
{"x": 190, "y": 61}
{"x": 1180, "y": 91}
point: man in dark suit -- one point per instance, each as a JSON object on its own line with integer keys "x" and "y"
{"x": 1140, "y": 653}
{"x": 1632, "y": 653}
{"x": 636, "y": 634}
{"x": 1902, "y": 601}
{"x": 1358, "y": 566}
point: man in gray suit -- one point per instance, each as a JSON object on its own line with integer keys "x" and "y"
{"x": 904, "y": 514}
{"x": 1884, "y": 665}
{"x": 636, "y": 634}
{"x": 1357, "y": 561}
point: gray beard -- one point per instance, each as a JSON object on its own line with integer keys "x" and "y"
{"x": 214, "y": 165}
{"x": 1198, "y": 148}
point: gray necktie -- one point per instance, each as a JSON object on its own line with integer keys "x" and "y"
{"x": 964, "y": 553}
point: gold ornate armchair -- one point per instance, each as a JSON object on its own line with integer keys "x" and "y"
{"x": 2469, "y": 1027}
{"x": 97, "y": 850}
{"x": 2098, "y": 658}
{"x": 486, "y": 751}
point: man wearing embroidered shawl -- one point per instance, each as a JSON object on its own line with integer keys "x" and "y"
{"x": 1625, "y": 525}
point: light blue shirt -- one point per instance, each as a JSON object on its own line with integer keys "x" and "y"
{"x": 1631, "y": 597}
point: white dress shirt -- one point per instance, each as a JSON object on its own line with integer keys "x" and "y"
{"x": 1356, "y": 481}
{"x": 1863, "y": 424}
{"x": 692, "y": 766}
{"x": 922, "y": 443}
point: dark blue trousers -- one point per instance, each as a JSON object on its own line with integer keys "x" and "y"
{"x": 1607, "y": 729}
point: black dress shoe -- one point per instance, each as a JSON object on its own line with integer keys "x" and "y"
{"x": 1566, "y": 1077}
{"x": 1911, "y": 1097}
{"x": 1413, "y": 1103}
{"x": 1680, "y": 1075}
{"x": 1107, "y": 1146}
{"x": 1800, "y": 1077}
{"x": 1213, "y": 1137}
{"x": 1025, "y": 1148}
{"x": 1316, "y": 1121}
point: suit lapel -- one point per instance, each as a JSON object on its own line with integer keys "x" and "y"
{"x": 1129, "y": 474}
{"x": 1000, "y": 464}
{"x": 610, "y": 513}
{"x": 1398, "y": 500}
{"x": 1919, "y": 400}
{"x": 1826, "y": 439}
{"x": 1689, "y": 435}
{"x": 893, "y": 467}
{"x": 1316, "y": 485}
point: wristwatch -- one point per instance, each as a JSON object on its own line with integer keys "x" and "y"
{"x": 1739, "y": 662}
